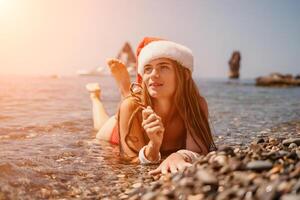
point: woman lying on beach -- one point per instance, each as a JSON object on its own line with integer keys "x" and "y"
{"x": 162, "y": 114}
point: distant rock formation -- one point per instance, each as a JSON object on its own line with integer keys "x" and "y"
{"x": 234, "y": 65}
{"x": 278, "y": 80}
{"x": 127, "y": 56}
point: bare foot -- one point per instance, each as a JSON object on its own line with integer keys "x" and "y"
{"x": 121, "y": 75}
{"x": 94, "y": 89}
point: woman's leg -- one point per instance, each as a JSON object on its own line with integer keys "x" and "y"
{"x": 100, "y": 115}
{"x": 106, "y": 130}
{"x": 102, "y": 122}
{"x": 121, "y": 75}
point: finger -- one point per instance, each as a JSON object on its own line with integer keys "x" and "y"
{"x": 181, "y": 167}
{"x": 155, "y": 129}
{"x": 155, "y": 171}
{"x": 152, "y": 124}
{"x": 149, "y": 108}
{"x": 164, "y": 169}
{"x": 173, "y": 169}
{"x": 151, "y": 118}
{"x": 187, "y": 165}
{"x": 146, "y": 112}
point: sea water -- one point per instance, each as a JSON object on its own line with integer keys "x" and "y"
{"x": 47, "y": 145}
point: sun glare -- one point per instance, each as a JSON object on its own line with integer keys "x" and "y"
{"x": 5, "y": 5}
{"x": 7, "y": 8}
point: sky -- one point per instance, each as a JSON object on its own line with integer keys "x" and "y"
{"x": 45, "y": 37}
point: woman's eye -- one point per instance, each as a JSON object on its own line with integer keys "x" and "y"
{"x": 147, "y": 70}
{"x": 164, "y": 67}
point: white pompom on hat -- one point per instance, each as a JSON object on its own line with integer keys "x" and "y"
{"x": 153, "y": 48}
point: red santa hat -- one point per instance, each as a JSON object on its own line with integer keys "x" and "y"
{"x": 151, "y": 48}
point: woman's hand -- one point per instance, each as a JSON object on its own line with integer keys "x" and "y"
{"x": 153, "y": 126}
{"x": 173, "y": 163}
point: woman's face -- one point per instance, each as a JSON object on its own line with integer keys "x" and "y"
{"x": 159, "y": 78}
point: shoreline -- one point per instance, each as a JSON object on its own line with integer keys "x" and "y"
{"x": 85, "y": 168}
{"x": 268, "y": 168}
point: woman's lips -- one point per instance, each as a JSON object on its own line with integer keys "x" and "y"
{"x": 155, "y": 84}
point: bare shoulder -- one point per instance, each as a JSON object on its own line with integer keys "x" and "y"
{"x": 203, "y": 100}
{"x": 128, "y": 105}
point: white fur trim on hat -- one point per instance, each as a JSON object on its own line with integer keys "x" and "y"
{"x": 165, "y": 49}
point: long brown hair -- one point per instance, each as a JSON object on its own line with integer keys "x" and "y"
{"x": 191, "y": 107}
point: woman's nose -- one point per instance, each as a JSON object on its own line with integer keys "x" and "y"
{"x": 155, "y": 73}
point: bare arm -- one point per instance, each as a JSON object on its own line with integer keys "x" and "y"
{"x": 135, "y": 138}
{"x": 154, "y": 129}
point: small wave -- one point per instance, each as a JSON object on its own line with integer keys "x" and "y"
{"x": 7, "y": 169}
{"x": 3, "y": 117}
{"x": 74, "y": 126}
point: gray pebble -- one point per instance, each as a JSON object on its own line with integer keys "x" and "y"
{"x": 287, "y": 142}
{"x": 187, "y": 181}
{"x": 206, "y": 177}
{"x": 293, "y": 145}
{"x": 259, "y": 165}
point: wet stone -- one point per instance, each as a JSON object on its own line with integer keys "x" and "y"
{"x": 225, "y": 169}
{"x": 275, "y": 169}
{"x": 235, "y": 164}
{"x": 137, "y": 185}
{"x": 168, "y": 193}
{"x": 267, "y": 191}
{"x": 195, "y": 197}
{"x": 221, "y": 160}
{"x": 123, "y": 196}
{"x": 290, "y": 197}
{"x": 121, "y": 176}
{"x": 259, "y": 141}
{"x": 296, "y": 188}
{"x": 285, "y": 187}
{"x": 45, "y": 193}
{"x": 259, "y": 165}
{"x": 227, "y": 149}
{"x": 227, "y": 194}
{"x": 287, "y": 142}
{"x": 241, "y": 178}
{"x": 283, "y": 153}
{"x": 149, "y": 196}
{"x": 177, "y": 177}
{"x": 206, "y": 177}
{"x": 292, "y": 155}
{"x": 187, "y": 181}
{"x": 293, "y": 145}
